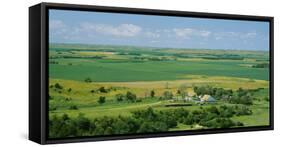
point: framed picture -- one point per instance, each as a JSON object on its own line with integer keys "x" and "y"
{"x": 102, "y": 73}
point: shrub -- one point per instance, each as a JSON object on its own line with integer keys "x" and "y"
{"x": 58, "y": 86}
{"x": 218, "y": 123}
{"x": 225, "y": 111}
{"x": 73, "y": 107}
{"x": 266, "y": 99}
{"x": 102, "y": 90}
{"x": 88, "y": 80}
{"x": 261, "y": 65}
{"x": 52, "y": 108}
{"x": 62, "y": 126}
{"x": 50, "y": 97}
{"x": 82, "y": 122}
{"x": 131, "y": 96}
{"x": 244, "y": 99}
{"x": 119, "y": 97}
{"x": 152, "y": 93}
{"x": 167, "y": 95}
{"x": 239, "y": 124}
{"x": 242, "y": 110}
{"x": 101, "y": 100}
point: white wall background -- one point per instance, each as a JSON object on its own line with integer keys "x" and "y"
{"x": 14, "y": 72}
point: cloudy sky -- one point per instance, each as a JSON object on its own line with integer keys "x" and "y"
{"x": 67, "y": 26}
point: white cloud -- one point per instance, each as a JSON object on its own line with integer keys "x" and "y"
{"x": 235, "y": 35}
{"x": 189, "y": 32}
{"x": 122, "y": 30}
{"x": 150, "y": 34}
{"x": 95, "y": 31}
{"x": 249, "y": 35}
{"x": 204, "y": 33}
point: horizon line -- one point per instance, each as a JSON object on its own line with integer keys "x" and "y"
{"x": 261, "y": 50}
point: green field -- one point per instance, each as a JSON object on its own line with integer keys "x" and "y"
{"x": 85, "y": 81}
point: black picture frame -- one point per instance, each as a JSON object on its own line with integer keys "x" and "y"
{"x": 38, "y": 70}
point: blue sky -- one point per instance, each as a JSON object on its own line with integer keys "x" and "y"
{"x": 67, "y": 26}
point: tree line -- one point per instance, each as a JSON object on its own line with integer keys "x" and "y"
{"x": 145, "y": 121}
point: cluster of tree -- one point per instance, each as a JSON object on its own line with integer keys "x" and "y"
{"x": 64, "y": 126}
{"x": 80, "y": 57}
{"x": 220, "y": 123}
{"x": 102, "y": 90}
{"x": 57, "y": 87}
{"x": 181, "y": 55}
{"x": 129, "y": 96}
{"x": 218, "y": 93}
{"x": 153, "y": 58}
{"x": 211, "y": 117}
{"x": 141, "y": 122}
{"x": 144, "y": 121}
{"x": 182, "y": 91}
{"x": 261, "y": 65}
{"x": 167, "y": 95}
{"x": 223, "y": 58}
{"x": 134, "y": 53}
{"x": 244, "y": 99}
{"x": 241, "y": 96}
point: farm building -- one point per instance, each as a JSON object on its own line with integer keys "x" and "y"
{"x": 207, "y": 98}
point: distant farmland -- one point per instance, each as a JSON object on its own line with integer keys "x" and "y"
{"x": 101, "y": 64}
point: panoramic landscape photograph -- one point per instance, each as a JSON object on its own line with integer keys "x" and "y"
{"x": 125, "y": 74}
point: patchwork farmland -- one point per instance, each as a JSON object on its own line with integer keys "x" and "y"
{"x": 97, "y": 90}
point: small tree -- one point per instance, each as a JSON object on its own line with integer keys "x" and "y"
{"x": 73, "y": 107}
{"x": 82, "y": 122}
{"x": 102, "y": 89}
{"x": 152, "y": 93}
{"x": 167, "y": 95}
{"x": 101, "y": 100}
{"x": 266, "y": 99}
{"x": 131, "y": 96}
{"x": 119, "y": 97}
{"x": 58, "y": 86}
